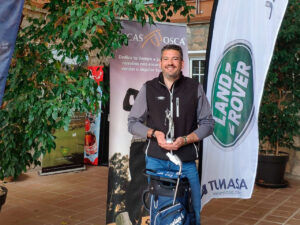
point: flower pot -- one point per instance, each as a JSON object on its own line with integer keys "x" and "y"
{"x": 271, "y": 169}
{"x": 3, "y": 194}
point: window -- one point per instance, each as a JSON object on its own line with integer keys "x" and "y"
{"x": 148, "y": 1}
{"x": 197, "y": 67}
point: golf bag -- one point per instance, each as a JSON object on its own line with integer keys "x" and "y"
{"x": 169, "y": 200}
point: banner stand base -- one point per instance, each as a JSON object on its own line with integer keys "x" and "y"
{"x": 41, "y": 173}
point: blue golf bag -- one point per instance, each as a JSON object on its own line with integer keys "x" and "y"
{"x": 169, "y": 199}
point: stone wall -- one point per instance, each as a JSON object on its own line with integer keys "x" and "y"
{"x": 197, "y": 35}
{"x": 293, "y": 166}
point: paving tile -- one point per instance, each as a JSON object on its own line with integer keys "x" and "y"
{"x": 235, "y": 223}
{"x": 81, "y": 217}
{"x": 98, "y": 220}
{"x": 288, "y": 208}
{"x": 211, "y": 209}
{"x": 265, "y": 205}
{"x": 292, "y": 222}
{"x": 267, "y": 223}
{"x": 87, "y": 223}
{"x": 292, "y": 205}
{"x": 297, "y": 215}
{"x": 275, "y": 219}
{"x": 255, "y": 213}
{"x": 79, "y": 207}
{"x": 293, "y": 201}
{"x": 233, "y": 211}
{"x": 214, "y": 221}
{"x": 32, "y": 222}
{"x": 64, "y": 212}
{"x": 14, "y": 215}
{"x": 241, "y": 205}
{"x": 225, "y": 216}
{"x": 245, "y": 220}
{"x": 56, "y": 220}
{"x": 72, "y": 193}
{"x": 274, "y": 201}
{"x": 285, "y": 214}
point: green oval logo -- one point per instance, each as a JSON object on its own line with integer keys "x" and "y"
{"x": 233, "y": 94}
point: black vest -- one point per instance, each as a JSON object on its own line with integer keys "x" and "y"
{"x": 185, "y": 102}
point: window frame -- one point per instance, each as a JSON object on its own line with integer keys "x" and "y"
{"x": 198, "y": 57}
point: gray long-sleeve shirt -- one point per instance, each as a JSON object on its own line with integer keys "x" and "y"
{"x": 138, "y": 115}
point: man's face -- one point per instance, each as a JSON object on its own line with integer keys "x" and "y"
{"x": 171, "y": 63}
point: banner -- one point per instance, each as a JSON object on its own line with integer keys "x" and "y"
{"x": 93, "y": 123}
{"x": 132, "y": 66}
{"x": 68, "y": 154}
{"x": 10, "y": 16}
{"x": 241, "y": 43}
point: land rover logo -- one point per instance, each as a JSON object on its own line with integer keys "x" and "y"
{"x": 233, "y": 94}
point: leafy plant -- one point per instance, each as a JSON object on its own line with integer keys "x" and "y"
{"x": 280, "y": 108}
{"x": 42, "y": 92}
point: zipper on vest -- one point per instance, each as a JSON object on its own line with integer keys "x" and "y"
{"x": 171, "y": 102}
{"x": 196, "y": 150}
{"x": 171, "y": 105}
{"x": 146, "y": 152}
{"x": 171, "y": 95}
{"x": 177, "y": 107}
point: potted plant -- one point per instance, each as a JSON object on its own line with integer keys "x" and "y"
{"x": 280, "y": 107}
{"x": 3, "y": 194}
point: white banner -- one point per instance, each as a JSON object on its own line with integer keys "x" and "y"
{"x": 241, "y": 47}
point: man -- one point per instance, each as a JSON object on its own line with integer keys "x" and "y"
{"x": 191, "y": 114}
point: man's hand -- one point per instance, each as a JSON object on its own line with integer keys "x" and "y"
{"x": 178, "y": 143}
{"x": 181, "y": 141}
{"x": 161, "y": 140}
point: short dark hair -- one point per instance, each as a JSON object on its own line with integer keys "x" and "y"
{"x": 173, "y": 47}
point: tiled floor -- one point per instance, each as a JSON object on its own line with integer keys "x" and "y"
{"x": 80, "y": 198}
{"x": 61, "y": 199}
